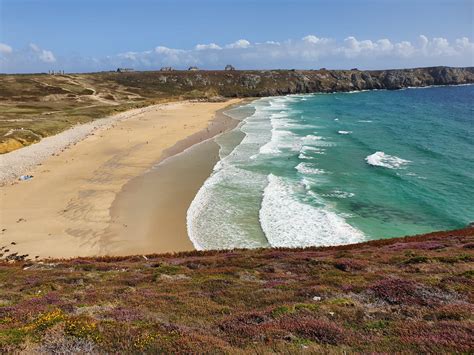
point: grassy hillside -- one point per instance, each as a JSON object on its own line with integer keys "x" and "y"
{"x": 39, "y": 105}
{"x": 401, "y": 295}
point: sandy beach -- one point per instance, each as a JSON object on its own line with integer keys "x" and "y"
{"x": 82, "y": 200}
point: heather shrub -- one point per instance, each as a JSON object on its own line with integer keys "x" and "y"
{"x": 350, "y": 265}
{"x": 460, "y": 311}
{"x": 245, "y": 327}
{"x": 318, "y": 330}
{"x": 437, "y": 337}
{"x": 417, "y": 260}
{"x": 279, "y": 311}
{"x": 406, "y": 292}
{"x": 55, "y": 341}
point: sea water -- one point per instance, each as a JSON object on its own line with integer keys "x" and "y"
{"x": 329, "y": 169}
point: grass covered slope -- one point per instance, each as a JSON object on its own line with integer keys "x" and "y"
{"x": 34, "y": 106}
{"x": 407, "y": 294}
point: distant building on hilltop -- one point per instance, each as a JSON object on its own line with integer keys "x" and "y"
{"x": 124, "y": 70}
{"x": 193, "y": 68}
{"x": 229, "y": 67}
{"x": 166, "y": 69}
{"x": 56, "y": 72}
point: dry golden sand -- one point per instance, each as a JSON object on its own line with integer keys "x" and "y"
{"x": 65, "y": 210}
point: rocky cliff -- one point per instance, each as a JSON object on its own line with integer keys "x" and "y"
{"x": 282, "y": 82}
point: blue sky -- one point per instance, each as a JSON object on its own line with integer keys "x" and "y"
{"x": 89, "y": 35}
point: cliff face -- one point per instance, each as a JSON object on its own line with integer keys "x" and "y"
{"x": 282, "y": 82}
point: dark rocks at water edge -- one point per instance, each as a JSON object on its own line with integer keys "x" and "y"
{"x": 257, "y": 83}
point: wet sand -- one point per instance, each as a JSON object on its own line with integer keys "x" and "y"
{"x": 150, "y": 212}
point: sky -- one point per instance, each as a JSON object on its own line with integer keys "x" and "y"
{"x": 95, "y": 35}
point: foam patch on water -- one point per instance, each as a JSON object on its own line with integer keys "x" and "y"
{"x": 310, "y": 149}
{"x": 304, "y": 156}
{"x": 305, "y": 168}
{"x": 386, "y": 161}
{"x": 288, "y": 222}
{"x": 339, "y": 194}
{"x": 316, "y": 141}
{"x": 312, "y": 137}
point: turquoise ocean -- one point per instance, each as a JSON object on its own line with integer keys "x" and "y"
{"x": 329, "y": 169}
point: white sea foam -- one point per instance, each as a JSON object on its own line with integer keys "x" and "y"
{"x": 304, "y": 156}
{"x": 306, "y": 149}
{"x": 344, "y": 132}
{"x": 339, "y": 194}
{"x": 281, "y": 136}
{"x": 288, "y": 222}
{"x": 316, "y": 141}
{"x": 215, "y": 218}
{"x": 305, "y": 168}
{"x": 312, "y": 137}
{"x": 386, "y": 161}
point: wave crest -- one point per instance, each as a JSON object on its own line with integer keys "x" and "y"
{"x": 386, "y": 161}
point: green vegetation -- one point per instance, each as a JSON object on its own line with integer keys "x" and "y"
{"x": 397, "y": 295}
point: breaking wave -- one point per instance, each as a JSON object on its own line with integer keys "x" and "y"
{"x": 289, "y": 222}
{"x": 386, "y": 161}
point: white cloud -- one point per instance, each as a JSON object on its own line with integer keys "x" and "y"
{"x": 404, "y": 49}
{"x": 384, "y": 45}
{"x": 5, "y": 48}
{"x": 129, "y": 55}
{"x": 463, "y": 44}
{"x": 315, "y": 40}
{"x": 202, "y": 47}
{"x": 311, "y": 39}
{"x": 441, "y": 46}
{"x": 312, "y": 51}
{"x": 167, "y": 51}
{"x": 241, "y": 43}
{"x": 309, "y": 51}
{"x": 43, "y": 54}
{"x": 47, "y": 56}
{"x": 423, "y": 41}
{"x": 34, "y": 47}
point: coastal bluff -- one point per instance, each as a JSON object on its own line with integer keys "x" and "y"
{"x": 35, "y": 106}
{"x": 260, "y": 83}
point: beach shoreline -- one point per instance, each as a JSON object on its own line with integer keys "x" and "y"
{"x": 64, "y": 210}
